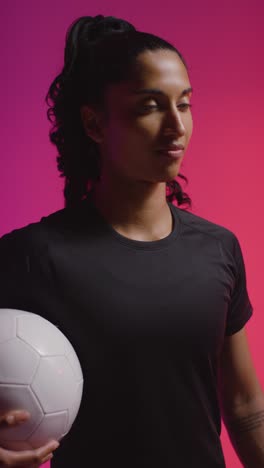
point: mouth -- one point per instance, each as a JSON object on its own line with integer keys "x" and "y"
{"x": 171, "y": 154}
{"x": 172, "y": 147}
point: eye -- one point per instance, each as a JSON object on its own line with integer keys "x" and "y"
{"x": 149, "y": 106}
{"x": 185, "y": 106}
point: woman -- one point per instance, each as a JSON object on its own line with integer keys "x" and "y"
{"x": 147, "y": 293}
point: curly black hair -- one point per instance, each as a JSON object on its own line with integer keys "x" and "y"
{"x": 98, "y": 51}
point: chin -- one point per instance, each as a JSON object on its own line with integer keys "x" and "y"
{"x": 169, "y": 177}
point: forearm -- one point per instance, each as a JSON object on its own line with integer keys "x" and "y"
{"x": 245, "y": 427}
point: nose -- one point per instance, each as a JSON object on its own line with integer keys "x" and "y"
{"x": 173, "y": 123}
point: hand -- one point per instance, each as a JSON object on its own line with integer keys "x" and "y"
{"x": 25, "y": 458}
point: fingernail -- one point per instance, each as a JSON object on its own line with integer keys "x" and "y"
{"x": 24, "y": 416}
{"x": 10, "y": 419}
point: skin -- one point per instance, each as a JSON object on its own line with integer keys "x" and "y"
{"x": 131, "y": 194}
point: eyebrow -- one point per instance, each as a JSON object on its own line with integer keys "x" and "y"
{"x": 159, "y": 92}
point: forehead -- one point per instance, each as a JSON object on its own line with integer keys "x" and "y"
{"x": 162, "y": 69}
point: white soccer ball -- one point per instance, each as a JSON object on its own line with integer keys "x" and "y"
{"x": 39, "y": 372}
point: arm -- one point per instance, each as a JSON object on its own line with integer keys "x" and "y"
{"x": 242, "y": 400}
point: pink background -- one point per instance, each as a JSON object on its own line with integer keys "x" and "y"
{"x": 223, "y": 44}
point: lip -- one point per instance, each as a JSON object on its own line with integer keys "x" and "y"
{"x": 172, "y": 147}
{"x": 172, "y": 154}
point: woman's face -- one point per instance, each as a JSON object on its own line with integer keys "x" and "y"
{"x": 140, "y": 122}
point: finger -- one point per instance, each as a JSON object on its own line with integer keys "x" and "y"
{"x": 27, "y": 457}
{"x": 14, "y": 417}
{"x": 47, "y": 458}
{"x": 47, "y": 449}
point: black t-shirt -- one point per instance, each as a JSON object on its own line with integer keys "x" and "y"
{"x": 147, "y": 320}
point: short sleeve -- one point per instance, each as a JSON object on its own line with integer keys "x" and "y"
{"x": 14, "y": 277}
{"x": 24, "y": 281}
{"x": 240, "y": 308}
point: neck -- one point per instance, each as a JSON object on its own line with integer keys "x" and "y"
{"x": 138, "y": 210}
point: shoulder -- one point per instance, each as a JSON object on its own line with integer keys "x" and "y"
{"x": 53, "y": 229}
{"x": 35, "y": 233}
{"x": 207, "y": 230}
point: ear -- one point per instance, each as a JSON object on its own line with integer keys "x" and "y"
{"x": 91, "y": 123}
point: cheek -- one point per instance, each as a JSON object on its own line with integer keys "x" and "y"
{"x": 191, "y": 119}
{"x": 189, "y": 127}
{"x": 120, "y": 144}
{"x": 130, "y": 135}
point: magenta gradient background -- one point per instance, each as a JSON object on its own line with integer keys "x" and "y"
{"x": 223, "y": 44}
